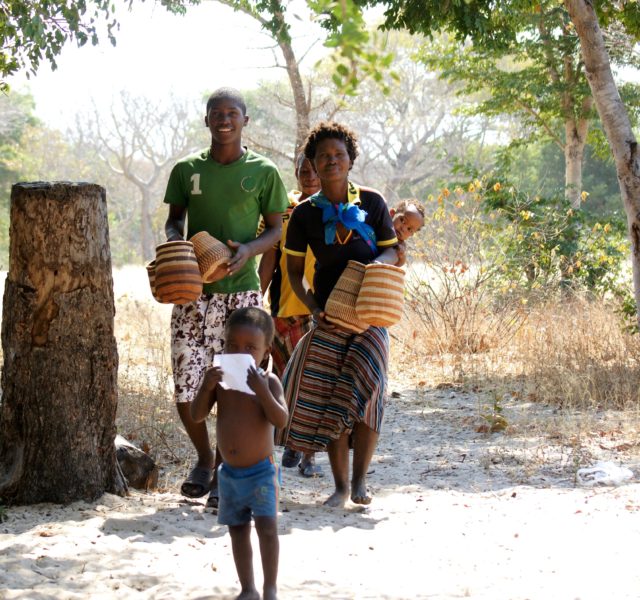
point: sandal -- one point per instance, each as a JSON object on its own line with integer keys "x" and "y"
{"x": 310, "y": 469}
{"x": 197, "y": 483}
{"x": 213, "y": 499}
{"x": 291, "y": 458}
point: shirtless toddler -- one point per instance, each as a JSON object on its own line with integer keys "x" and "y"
{"x": 249, "y": 478}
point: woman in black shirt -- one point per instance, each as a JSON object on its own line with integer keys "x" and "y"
{"x": 335, "y": 381}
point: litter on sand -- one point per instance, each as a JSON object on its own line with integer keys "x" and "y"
{"x": 604, "y": 473}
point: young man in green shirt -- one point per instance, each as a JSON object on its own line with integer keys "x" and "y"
{"x": 222, "y": 190}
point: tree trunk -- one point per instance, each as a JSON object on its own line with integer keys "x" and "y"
{"x": 575, "y": 141}
{"x": 146, "y": 226}
{"x": 303, "y": 120}
{"x": 615, "y": 121}
{"x": 59, "y": 380}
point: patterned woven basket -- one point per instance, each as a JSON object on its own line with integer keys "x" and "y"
{"x": 151, "y": 272}
{"x": 381, "y": 298}
{"x": 178, "y": 279}
{"x": 211, "y": 255}
{"x": 341, "y": 303}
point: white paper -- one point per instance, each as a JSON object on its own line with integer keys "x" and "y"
{"x": 235, "y": 368}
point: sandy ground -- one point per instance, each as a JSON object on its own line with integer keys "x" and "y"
{"x": 457, "y": 513}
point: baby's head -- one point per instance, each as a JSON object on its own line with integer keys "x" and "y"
{"x": 249, "y": 330}
{"x": 408, "y": 218}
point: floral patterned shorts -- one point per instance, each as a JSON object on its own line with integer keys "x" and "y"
{"x": 197, "y": 335}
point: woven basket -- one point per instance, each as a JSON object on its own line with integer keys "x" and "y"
{"x": 178, "y": 279}
{"x": 211, "y": 255}
{"x": 151, "y": 272}
{"x": 381, "y": 298}
{"x": 341, "y": 303}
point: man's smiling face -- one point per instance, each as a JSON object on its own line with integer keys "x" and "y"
{"x": 225, "y": 121}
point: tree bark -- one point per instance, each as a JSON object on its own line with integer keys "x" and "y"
{"x": 59, "y": 380}
{"x": 303, "y": 109}
{"x": 575, "y": 141}
{"x": 615, "y": 121}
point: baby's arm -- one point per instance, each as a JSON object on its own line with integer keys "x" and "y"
{"x": 401, "y": 251}
{"x": 268, "y": 390}
{"x": 206, "y": 396}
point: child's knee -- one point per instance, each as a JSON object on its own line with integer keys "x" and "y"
{"x": 266, "y": 526}
{"x": 238, "y": 531}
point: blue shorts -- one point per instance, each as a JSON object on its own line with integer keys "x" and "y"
{"x": 248, "y": 491}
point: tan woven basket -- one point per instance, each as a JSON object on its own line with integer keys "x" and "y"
{"x": 178, "y": 279}
{"x": 211, "y": 255}
{"x": 381, "y": 298}
{"x": 341, "y": 304}
{"x": 151, "y": 272}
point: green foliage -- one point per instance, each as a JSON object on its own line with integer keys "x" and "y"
{"x": 627, "y": 310}
{"x": 16, "y": 118}
{"x": 31, "y": 32}
{"x": 549, "y": 242}
{"x": 359, "y": 53}
{"x": 488, "y": 252}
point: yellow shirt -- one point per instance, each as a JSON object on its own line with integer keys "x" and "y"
{"x": 289, "y": 305}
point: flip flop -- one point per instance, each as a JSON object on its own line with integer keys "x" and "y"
{"x": 213, "y": 499}
{"x": 310, "y": 470}
{"x": 197, "y": 483}
{"x": 291, "y": 458}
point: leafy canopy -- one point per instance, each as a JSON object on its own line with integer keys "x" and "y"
{"x": 31, "y": 32}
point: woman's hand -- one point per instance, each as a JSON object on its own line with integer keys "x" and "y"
{"x": 258, "y": 381}
{"x": 320, "y": 317}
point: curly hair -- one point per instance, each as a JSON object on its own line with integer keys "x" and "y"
{"x": 330, "y": 130}
{"x": 403, "y": 205}
{"x": 254, "y": 317}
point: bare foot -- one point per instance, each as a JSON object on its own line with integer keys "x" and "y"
{"x": 248, "y": 595}
{"x": 360, "y": 494}
{"x": 270, "y": 593}
{"x": 337, "y": 500}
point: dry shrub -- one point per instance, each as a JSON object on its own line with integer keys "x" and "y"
{"x": 575, "y": 354}
{"x": 456, "y": 309}
{"x": 146, "y": 412}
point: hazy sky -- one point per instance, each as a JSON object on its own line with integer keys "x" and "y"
{"x": 160, "y": 53}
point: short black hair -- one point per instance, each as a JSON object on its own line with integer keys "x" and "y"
{"x": 300, "y": 158}
{"x": 255, "y": 317}
{"x": 331, "y": 130}
{"x": 227, "y": 93}
{"x": 402, "y": 206}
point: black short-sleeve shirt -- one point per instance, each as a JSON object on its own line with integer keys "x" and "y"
{"x": 306, "y": 228}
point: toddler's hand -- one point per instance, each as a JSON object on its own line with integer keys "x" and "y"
{"x": 212, "y": 378}
{"x": 258, "y": 381}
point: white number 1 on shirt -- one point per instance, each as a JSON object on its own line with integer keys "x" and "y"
{"x": 195, "y": 180}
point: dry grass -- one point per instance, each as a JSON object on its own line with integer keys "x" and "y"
{"x": 572, "y": 354}
{"x": 570, "y": 360}
{"x": 146, "y": 411}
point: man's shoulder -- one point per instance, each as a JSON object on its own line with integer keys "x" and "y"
{"x": 193, "y": 159}
{"x": 253, "y": 157}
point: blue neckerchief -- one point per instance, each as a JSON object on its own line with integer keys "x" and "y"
{"x": 349, "y": 214}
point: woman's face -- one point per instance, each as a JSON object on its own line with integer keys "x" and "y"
{"x": 332, "y": 162}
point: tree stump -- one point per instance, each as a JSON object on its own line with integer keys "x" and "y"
{"x": 59, "y": 380}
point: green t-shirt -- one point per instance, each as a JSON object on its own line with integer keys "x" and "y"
{"x": 227, "y": 201}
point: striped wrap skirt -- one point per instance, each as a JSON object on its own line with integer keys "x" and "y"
{"x": 334, "y": 380}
